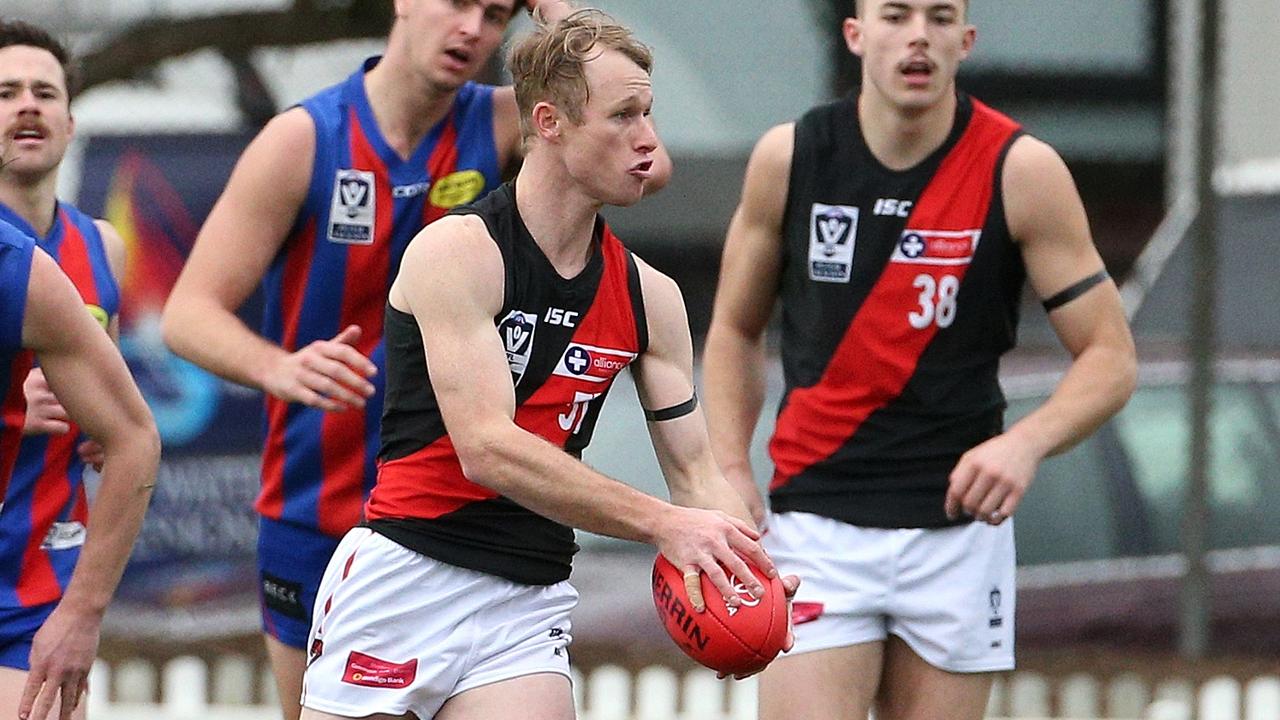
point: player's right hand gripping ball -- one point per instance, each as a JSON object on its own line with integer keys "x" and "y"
{"x": 729, "y": 640}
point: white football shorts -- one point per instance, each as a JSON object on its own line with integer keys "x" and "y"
{"x": 395, "y": 631}
{"x": 947, "y": 592}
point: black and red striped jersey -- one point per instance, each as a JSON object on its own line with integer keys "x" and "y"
{"x": 565, "y": 341}
{"x": 899, "y": 293}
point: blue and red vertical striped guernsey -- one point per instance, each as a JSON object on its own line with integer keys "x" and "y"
{"x": 45, "y": 509}
{"x": 364, "y": 205}
{"x": 900, "y": 292}
{"x": 16, "y": 249}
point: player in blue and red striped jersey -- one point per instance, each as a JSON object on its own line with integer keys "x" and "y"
{"x": 896, "y": 228}
{"x": 319, "y": 210}
{"x": 44, "y": 516}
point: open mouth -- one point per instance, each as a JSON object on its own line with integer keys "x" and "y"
{"x": 29, "y": 134}
{"x": 642, "y": 169}
{"x": 916, "y": 70}
{"x": 462, "y": 56}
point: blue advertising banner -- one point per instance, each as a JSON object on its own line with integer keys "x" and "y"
{"x": 192, "y": 572}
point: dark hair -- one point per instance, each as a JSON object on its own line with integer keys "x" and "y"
{"x": 17, "y": 32}
{"x": 963, "y": 3}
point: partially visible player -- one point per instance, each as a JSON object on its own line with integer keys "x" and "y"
{"x": 506, "y": 326}
{"x": 318, "y": 211}
{"x": 895, "y": 228}
{"x": 41, "y": 312}
{"x": 44, "y": 515}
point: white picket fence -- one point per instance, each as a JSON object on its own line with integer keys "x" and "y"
{"x": 189, "y": 688}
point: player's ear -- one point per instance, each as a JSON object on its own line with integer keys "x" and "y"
{"x": 852, "y": 31}
{"x": 970, "y": 37}
{"x": 546, "y": 121}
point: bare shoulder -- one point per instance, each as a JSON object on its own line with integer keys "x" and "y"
{"x": 113, "y": 244}
{"x": 52, "y": 301}
{"x": 294, "y": 129}
{"x": 659, "y": 290}
{"x": 284, "y": 150}
{"x": 664, "y": 310}
{"x": 454, "y": 252}
{"x": 1038, "y": 190}
{"x": 774, "y": 149}
{"x": 1029, "y": 159}
{"x": 764, "y": 189}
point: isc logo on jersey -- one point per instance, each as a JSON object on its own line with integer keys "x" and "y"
{"x": 352, "y": 208}
{"x": 936, "y": 247}
{"x": 516, "y": 331}
{"x": 591, "y": 363}
{"x": 833, "y": 230}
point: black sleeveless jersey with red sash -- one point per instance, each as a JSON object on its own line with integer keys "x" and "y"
{"x": 899, "y": 294}
{"x": 565, "y": 340}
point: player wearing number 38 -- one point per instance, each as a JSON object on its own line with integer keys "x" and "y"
{"x": 896, "y": 228}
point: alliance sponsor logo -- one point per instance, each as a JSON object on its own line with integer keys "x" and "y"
{"x": 936, "y": 247}
{"x": 591, "y": 363}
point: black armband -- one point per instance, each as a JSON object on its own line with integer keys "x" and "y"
{"x": 1075, "y": 291}
{"x": 673, "y": 412}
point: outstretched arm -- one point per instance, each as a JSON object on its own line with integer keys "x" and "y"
{"x": 733, "y": 364}
{"x": 1047, "y": 219}
{"x": 451, "y": 280}
{"x": 242, "y": 235}
{"x": 87, "y": 374}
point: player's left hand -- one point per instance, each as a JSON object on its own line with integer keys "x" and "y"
{"x": 62, "y": 654}
{"x": 990, "y": 480}
{"x": 91, "y": 454}
{"x": 790, "y": 583}
{"x": 45, "y": 415}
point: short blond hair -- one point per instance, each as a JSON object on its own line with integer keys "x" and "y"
{"x": 548, "y": 63}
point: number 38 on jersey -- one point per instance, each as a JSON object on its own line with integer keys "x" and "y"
{"x": 941, "y": 258}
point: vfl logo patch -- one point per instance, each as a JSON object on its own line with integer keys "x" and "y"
{"x": 352, "y": 208}
{"x": 833, "y": 231}
{"x": 595, "y": 364}
{"x": 516, "y": 331}
{"x": 936, "y": 247}
{"x": 373, "y": 672}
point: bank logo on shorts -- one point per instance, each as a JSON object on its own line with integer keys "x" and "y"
{"x": 516, "y": 331}
{"x": 352, "y": 208}
{"x": 369, "y": 671}
{"x": 591, "y": 363}
{"x": 833, "y": 231}
{"x": 936, "y": 247}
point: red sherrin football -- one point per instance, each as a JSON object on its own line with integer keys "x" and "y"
{"x": 733, "y": 641}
